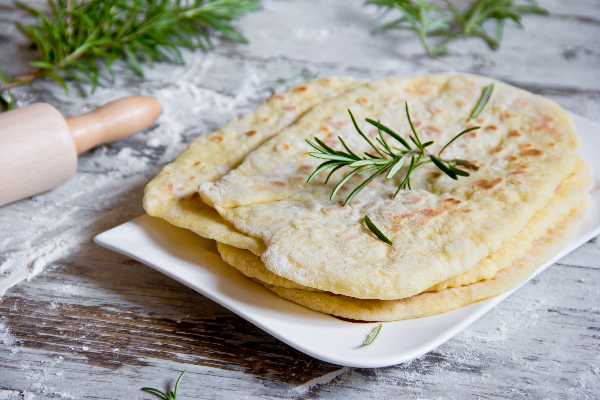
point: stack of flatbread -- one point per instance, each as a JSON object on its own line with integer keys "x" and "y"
{"x": 455, "y": 242}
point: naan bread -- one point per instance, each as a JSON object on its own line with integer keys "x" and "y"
{"x": 251, "y": 266}
{"x": 431, "y": 303}
{"x": 172, "y": 194}
{"x": 569, "y": 194}
{"x": 441, "y": 229}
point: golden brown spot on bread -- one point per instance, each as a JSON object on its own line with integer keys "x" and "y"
{"x": 251, "y": 133}
{"x": 300, "y": 89}
{"x": 285, "y": 146}
{"x": 216, "y": 139}
{"x": 433, "y": 129}
{"x": 419, "y": 87}
{"x": 543, "y": 123}
{"x": 452, "y": 202}
{"x": 532, "y": 153}
{"x": 362, "y": 100}
{"x": 514, "y": 133}
{"x": 278, "y": 183}
{"x": 431, "y": 212}
{"x": 197, "y": 163}
{"x": 525, "y": 146}
{"x": 325, "y": 129}
{"x": 496, "y": 149}
{"x": 521, "y": 167}
{"x": 491, "y": 128}
{"x": 511, "y": 158}
{"x": 488, "y": 183}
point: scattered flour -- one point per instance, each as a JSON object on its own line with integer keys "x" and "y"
{"x": 6, "y": 338}
{"x": 154, "y": 142}
{"x": 47, "y": 229}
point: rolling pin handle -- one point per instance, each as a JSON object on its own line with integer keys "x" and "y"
{"x": 113, "y": 121}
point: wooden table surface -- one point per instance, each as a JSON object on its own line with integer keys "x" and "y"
{"x": 93, "y": 324}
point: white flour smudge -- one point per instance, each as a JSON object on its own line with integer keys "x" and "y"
{"x": 107, "y": 189}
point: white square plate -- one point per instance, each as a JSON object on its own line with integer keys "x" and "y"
{"x": 194, "y": 262}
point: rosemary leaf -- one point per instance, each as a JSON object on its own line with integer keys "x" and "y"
{"x": 361, "y": 133}
{"x": 455, "y": 138}
{"x": 372, "y": 335}
{"x": 445, "y": 169}
{"x": 376, "y": 231}
{"x": 169, "y": 395}
{"x": 486, "y": 94}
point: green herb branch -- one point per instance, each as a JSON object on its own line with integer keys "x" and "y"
{"x": 483, "y": 19}
{"x": 81, "y": 42}
{"x": 400, "y": 159}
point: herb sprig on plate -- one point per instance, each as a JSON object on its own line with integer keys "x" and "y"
{"x": 394, "y": 159}
{"x": 447, "y": 22}
{"x": 400, "y": 160}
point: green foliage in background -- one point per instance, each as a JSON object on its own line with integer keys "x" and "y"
{"x": 81, "y": 40}
{"x": 444, "y": 22}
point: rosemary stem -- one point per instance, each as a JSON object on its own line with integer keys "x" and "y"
{"x": 21, "y": 80}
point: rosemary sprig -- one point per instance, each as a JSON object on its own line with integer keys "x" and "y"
{"x": 486, "y": 95}
{"x": 393, "y": 161}
{"x": 169, "y": 395}
{"x": 376, "y": 231}
{"x": 422, "y": 17}
{"x": 81, "y": 40}
{"x": 372, "y": 335}
{"x": 430, "y": 19}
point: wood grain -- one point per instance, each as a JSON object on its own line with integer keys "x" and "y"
{"x": 96, "y": 325}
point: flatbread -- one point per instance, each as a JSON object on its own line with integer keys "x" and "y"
{"x": 251, "y": 266}
{"x": 172, "y": 194}
{"x": 569, "y": 194}
{"x": 431, "y": 303}
{"x": 441, "y": 229}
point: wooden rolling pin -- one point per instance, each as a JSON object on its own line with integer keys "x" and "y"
{"x": 39, "y": 147}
